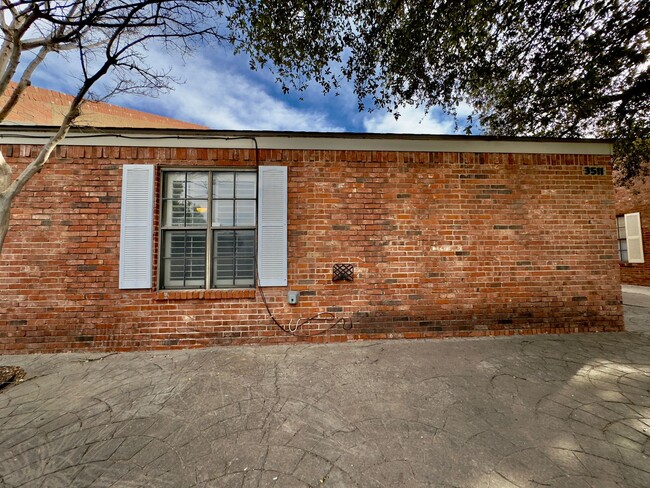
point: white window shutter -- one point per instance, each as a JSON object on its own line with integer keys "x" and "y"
{"x": 634, "y": 238}
{"x": 272, "y": 226}
{"x": 136, "y": 229}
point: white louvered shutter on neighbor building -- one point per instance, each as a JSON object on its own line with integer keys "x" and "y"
{"x": 634, "y": 239}
{"x": 136, "y": 229}
{"x": 272, "y": 226}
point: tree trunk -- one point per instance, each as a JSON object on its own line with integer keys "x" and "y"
{"x": 5, "y": 199}
{"x": 5, "y": 211}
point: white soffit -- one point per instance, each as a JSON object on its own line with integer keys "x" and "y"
{"x": 331, "y": 142}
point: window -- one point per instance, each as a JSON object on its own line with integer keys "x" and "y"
{"x": 208, "y": 229}
{"x": 622, "y": 239}
{"x": 209, "y": 225}
{"x": 630, "y": 239}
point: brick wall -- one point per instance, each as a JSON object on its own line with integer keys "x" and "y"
{"x": 443, "y": 244}
{"x": 636, "y": 198}
{"x": 38, "y": 106}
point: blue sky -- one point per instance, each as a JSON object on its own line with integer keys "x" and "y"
{"x": 219, "y": 90}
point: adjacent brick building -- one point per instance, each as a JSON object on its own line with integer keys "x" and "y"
{"x": 633, "y": 207}
{"x": 42, "y": 107}
{"x": 162, "y": 239}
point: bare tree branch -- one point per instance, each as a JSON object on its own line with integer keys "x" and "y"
{"x": 22, "y": 85}
{"x": 108, "y": 37}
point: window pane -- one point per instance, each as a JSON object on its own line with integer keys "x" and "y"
{"x": 195, "y": 273}
{"x": 174, "y": 185}
{"x": 234, "y": 258}
{"x": 184, "y": 243}
{"x": 246, "y": 187}
{"x": 174, "y": 213}
{"x": 185, "y": 213}
{"x": 176, "y": 269}
{"x": 175, "y": 245}
{"x": 197, "y": 185}
{"x": 195, "y": 244}
{"x": 223, "y": 267}
{"x": 173, "y": 273}
{"x": 181, "y": 208}
{"x": 245, "y": 264}
{"x": 222, "y": 213}
{"x": 184, "y": 259}
{"x": 224, "y": 270}
{"x": 223, "y": 185}
{"x": 174, "y": 203}
{"x": 620, "y": 224}
{"x": 197, "y": 213}
{"x": 245, "y": 213}
{"x": 245, "y": 272}
{"x": 224, "y": 243}
{"x": 245, "y": 243}
{"x": 622, "y": 250}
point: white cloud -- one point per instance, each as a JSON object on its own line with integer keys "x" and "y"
{"x": 223, "y": 98}
{"x": 414, "y": 120}
{"x": 220, "y": 91}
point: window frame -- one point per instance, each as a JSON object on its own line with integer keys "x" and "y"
{"x": 209, "y": 229}
{"x": 622, "y": 237}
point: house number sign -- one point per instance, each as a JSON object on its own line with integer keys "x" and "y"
{"x": 593, "y": 170}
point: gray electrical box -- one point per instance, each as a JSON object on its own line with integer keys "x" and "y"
{"x": 293, "y": 297}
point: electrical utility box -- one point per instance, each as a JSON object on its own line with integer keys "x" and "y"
{"x": 293, "y": 297}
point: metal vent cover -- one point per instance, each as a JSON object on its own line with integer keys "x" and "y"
{"x": 343, "y": 272}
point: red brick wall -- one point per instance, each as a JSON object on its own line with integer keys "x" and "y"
{"x": 443, "y": 244}
{"x": 636, "y": 198}
{"x": 38, "y": 106}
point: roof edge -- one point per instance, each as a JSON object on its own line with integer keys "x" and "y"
{"x": 348, "y": 141}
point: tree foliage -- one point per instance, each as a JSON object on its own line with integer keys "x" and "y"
{"x": 560, "y": 68}
{"x": 549, "y": 68}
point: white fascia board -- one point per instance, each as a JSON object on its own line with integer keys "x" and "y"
{"x": 324, "y": 142}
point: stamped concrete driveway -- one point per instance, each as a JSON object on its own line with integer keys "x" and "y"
{"x": 558, "y": 411}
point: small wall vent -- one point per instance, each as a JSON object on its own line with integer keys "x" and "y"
{"x": 343, "y": 272}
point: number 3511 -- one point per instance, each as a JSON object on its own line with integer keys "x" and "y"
{"x": 593, "y": 170}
